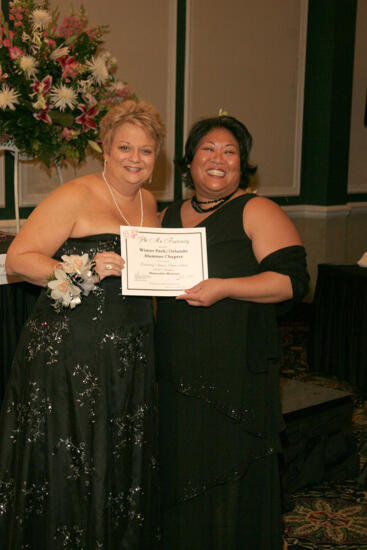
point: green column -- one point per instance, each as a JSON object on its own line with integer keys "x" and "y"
{"x": 328, "y": 97}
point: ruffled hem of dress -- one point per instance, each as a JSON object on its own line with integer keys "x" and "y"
{"x": 248, "y": 417}
{"x": 191, "y": 490}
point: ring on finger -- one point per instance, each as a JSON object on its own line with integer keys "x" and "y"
{"x": 108, "y": 267}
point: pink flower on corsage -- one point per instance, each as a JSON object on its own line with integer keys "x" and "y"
{"x": 87, "y": 117}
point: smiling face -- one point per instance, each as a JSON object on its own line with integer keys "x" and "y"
{"x": 132, "y": 155}
{"x": 215, "y": 168}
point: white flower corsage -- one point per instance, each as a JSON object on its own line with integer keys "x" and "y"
{"x": 71, "y": 279}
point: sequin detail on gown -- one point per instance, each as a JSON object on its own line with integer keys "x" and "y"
{"x": 78, "y": 424}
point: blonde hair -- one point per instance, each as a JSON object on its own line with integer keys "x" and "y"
{"x": 136, "y": 112}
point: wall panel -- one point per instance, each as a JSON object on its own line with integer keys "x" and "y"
{"x": 249, "y": 59}
{"x": 357, "y": 177}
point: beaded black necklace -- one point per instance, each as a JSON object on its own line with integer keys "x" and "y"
{"x": 218, "y": 202}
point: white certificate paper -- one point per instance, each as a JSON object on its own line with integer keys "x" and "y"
{"x": 162, "y": 261}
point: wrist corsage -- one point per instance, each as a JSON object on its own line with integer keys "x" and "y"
{"x": 71, "y": 279}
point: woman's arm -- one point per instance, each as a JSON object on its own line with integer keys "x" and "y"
{"x": 270, "y": 230}
{"x": 47, "y": 228}
{"x": 49, "y": 225}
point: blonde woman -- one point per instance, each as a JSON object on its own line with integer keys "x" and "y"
{"x": 77, "y": 459}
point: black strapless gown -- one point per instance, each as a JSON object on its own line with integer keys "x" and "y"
{"x": 78, "y": 423}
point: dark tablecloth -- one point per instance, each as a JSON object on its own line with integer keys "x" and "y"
{"x": 339, "y": 332}
{"x": 16, "y": 303}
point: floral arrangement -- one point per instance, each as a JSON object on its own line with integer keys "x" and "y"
{"x": 56, "y": 81}
{"x": 73, "y": 278}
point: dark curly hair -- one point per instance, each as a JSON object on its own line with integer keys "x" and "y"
{"x": 200, "y": 129}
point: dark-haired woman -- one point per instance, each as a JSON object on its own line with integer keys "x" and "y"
{"x": 218, "y": 350}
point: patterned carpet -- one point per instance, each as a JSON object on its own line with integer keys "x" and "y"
{"x": 331, "y": 515}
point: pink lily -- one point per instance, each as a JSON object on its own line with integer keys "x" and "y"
{"x": 87, "y": 116}
{"x": 43, "y": 115}
{"x": 68, "y": 134}
{"x": 69, "y": 66}
{"x": 43, "y": 86}
{"x": 124, "y": 93}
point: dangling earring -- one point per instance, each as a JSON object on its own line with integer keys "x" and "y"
{"x": 104, "y": 164}
{"x": 149, "y": 180}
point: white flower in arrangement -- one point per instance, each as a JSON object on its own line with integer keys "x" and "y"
{"x": 40, "y": 104}
{"x": 109, "y": 59}
{"x": 90, "y": 99}
{"x": 63, "y": 96}
{"x": 86, "y": 86}
{"x": 8, "y": 98}
{"x": 36, "y": 43}
{"x": 28, "y": 64}
{"x": 98, "y": 68}
{"x": 41, "y": 18}
{"x": 118, "y": 86}
{"x": 59, "y": 52}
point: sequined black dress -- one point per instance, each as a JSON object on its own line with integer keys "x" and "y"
{"x": 78, "y": 424}
{"x": 219, "y": 404}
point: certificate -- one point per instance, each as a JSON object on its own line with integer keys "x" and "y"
{"x": 162, "y": 261}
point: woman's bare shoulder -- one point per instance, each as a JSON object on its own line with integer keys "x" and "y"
{"x": 75, "y": 189}
{"x": 268, "y": 226}
{"x": 83, "y": 183}
{"x": 259, "y": 203}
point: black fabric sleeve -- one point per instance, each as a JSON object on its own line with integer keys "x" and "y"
{"x": 290, "y": 261}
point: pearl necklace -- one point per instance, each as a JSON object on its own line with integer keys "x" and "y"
{"x": 117, "y": 206}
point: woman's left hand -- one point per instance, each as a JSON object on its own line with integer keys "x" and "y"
{"x": 108, "y": 264}
{"x": 206, "y": 293}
